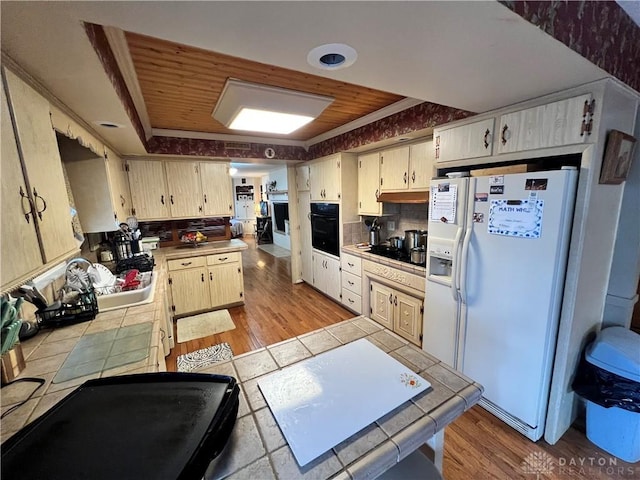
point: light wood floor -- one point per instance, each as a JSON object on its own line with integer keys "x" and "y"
{"x": 477, "y": 445}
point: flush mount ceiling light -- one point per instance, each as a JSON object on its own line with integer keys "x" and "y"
{"x": 332, "y": 56}
{"x": 261, "y": 108}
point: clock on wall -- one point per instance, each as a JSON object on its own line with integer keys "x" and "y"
{"x": 269, "y": 152}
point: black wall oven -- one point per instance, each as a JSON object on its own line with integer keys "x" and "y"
{"x": 325, "y": 227}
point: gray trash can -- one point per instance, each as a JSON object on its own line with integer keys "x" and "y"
{"x": 614, "y": 429}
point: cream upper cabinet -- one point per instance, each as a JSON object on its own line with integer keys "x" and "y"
{"x": 472, "y": 140}
{"x": 43, "y": 169}
{"x": 421, "y": 165}
{"x": 20, "y": 253}
{"x": 119, "y": 186}
{"x": 302, "y": 178}
{"x": 394, "y": 169}
{"x": 564, "y": 122}
{"x": 183, "y": 182}
{"x": 324, "y": 177}
{"x": 369, "y": 184}
{"x": 217, "y": 192}
{"x": 148, "y": 189}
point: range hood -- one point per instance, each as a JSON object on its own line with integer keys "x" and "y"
{"x": 404, "y": 197}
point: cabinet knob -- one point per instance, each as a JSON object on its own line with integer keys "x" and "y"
{"x": 222, "y": 259}
{"x": 185, "y": 264}
{"x": 210, "y": 276}
{"x": 351, "y": 264}
{"x": 391, "y": 298}
{"x": 395, "y": 300}
{"x": 413, "y": 177}
{"x": 205, "y": 198}
{"x": 171, "y": 199}
{"x": 404, "y": 177}
{"x": 202, "y": 277}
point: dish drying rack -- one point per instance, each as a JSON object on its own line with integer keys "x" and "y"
{"x": 78, "y": 301}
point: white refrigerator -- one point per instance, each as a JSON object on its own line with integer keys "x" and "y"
{"x": 496, "y": 261}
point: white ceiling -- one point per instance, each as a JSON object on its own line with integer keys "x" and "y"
{"x": 474, "y": 55}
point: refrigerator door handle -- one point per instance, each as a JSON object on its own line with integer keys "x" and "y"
{"x": 454, "y": 261}
{"x": 466, "y": 242}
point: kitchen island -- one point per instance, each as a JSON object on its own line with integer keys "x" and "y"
{"x": 257, "y": 448}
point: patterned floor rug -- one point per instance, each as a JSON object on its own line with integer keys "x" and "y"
{"x": 205, "y": 357}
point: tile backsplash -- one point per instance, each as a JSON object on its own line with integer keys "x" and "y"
{"x": 410, "y": 216}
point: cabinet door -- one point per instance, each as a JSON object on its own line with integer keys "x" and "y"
{"x": 381, "y": 299}
{"x": 148, "y": 192}
{"x": 20, "y": 252}
{"x": 189, "y": 290}
{"x": 407, "y": 319}
{"x": 183, "y": 183}
{"x": 394, "y": 169}
{"x": 331, "y": 179}
{"x": 421, "y": 161}
{"x": 43, "y": 168}
{"x": 225, "y": 284}
{"x": 316, "y": 180}
{"x": 551, "y": 125}
{"x": 369, "y": 184}
{"x": 306, "y": 251}
{"x": 216, "y": 189}
{"x": 473, "y": 140}
{"x": 319, "y": 277}
{"x": 120, "y": 195}
{"x": 333, "y": 286}
{"x": 302, "y": 178}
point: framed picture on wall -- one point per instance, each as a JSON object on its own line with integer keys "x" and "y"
{"x": 617, "y": 158}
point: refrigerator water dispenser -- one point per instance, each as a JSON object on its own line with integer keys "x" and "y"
{"x": 440, "y": 261}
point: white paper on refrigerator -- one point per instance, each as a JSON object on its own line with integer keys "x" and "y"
{"x": 516, "y": 218}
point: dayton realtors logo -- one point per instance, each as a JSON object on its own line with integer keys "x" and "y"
{"x": 541, "y": 463}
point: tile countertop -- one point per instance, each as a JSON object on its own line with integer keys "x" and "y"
{"x": 46, "y": 353}
{"x": 404, "y": 266}
{"x": 257, "y": 448}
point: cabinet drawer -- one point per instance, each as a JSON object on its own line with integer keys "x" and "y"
{"x": 351, "y": 300}
{"x": 351, "y": 264}
{"x": 352, "y": 282}
{"x": 182, "y": 263}
{"x": 222, "y": 258}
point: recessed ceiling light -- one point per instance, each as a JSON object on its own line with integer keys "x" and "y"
{"x": 332, "y": 56}
{"x": 107, "y": 124}
{"x": 262, "y": 108}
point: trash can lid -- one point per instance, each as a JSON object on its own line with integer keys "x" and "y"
{"x": 617, "y": 350}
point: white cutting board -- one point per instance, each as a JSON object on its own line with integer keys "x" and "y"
{"x": 323, "y": 400}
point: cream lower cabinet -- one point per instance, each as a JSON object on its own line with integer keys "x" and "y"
{"x": 206, "y": 282}
{"x": 326, "y": 274}
{"x": 351, "y": 272}
{"x": 36, "y": 219}
{"x": 397, "y": 311}
{"x": 226, "y": 284}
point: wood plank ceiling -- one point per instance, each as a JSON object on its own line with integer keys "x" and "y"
{"x": 181, "y": 84}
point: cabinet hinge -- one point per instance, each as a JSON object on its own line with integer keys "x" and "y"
{"x": 126, "y": 167}
{"x": 420, "y": 337}
{"x": 238, "y": 269}
{"x": 133, "y": 211}
{"x": 360, "y": 163}
{"x": 241, "y": 294}
{"x": 371, "y": 310}
{"x": 173, "y": 308}
{"x": 115, "y": 216}
{"x": 370, "y": 288}
{"x": 360, "y": 204}
{"x": 421, "y": 308}
{"x": 170, "y": 281}
{"x": 381, "y": 181}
